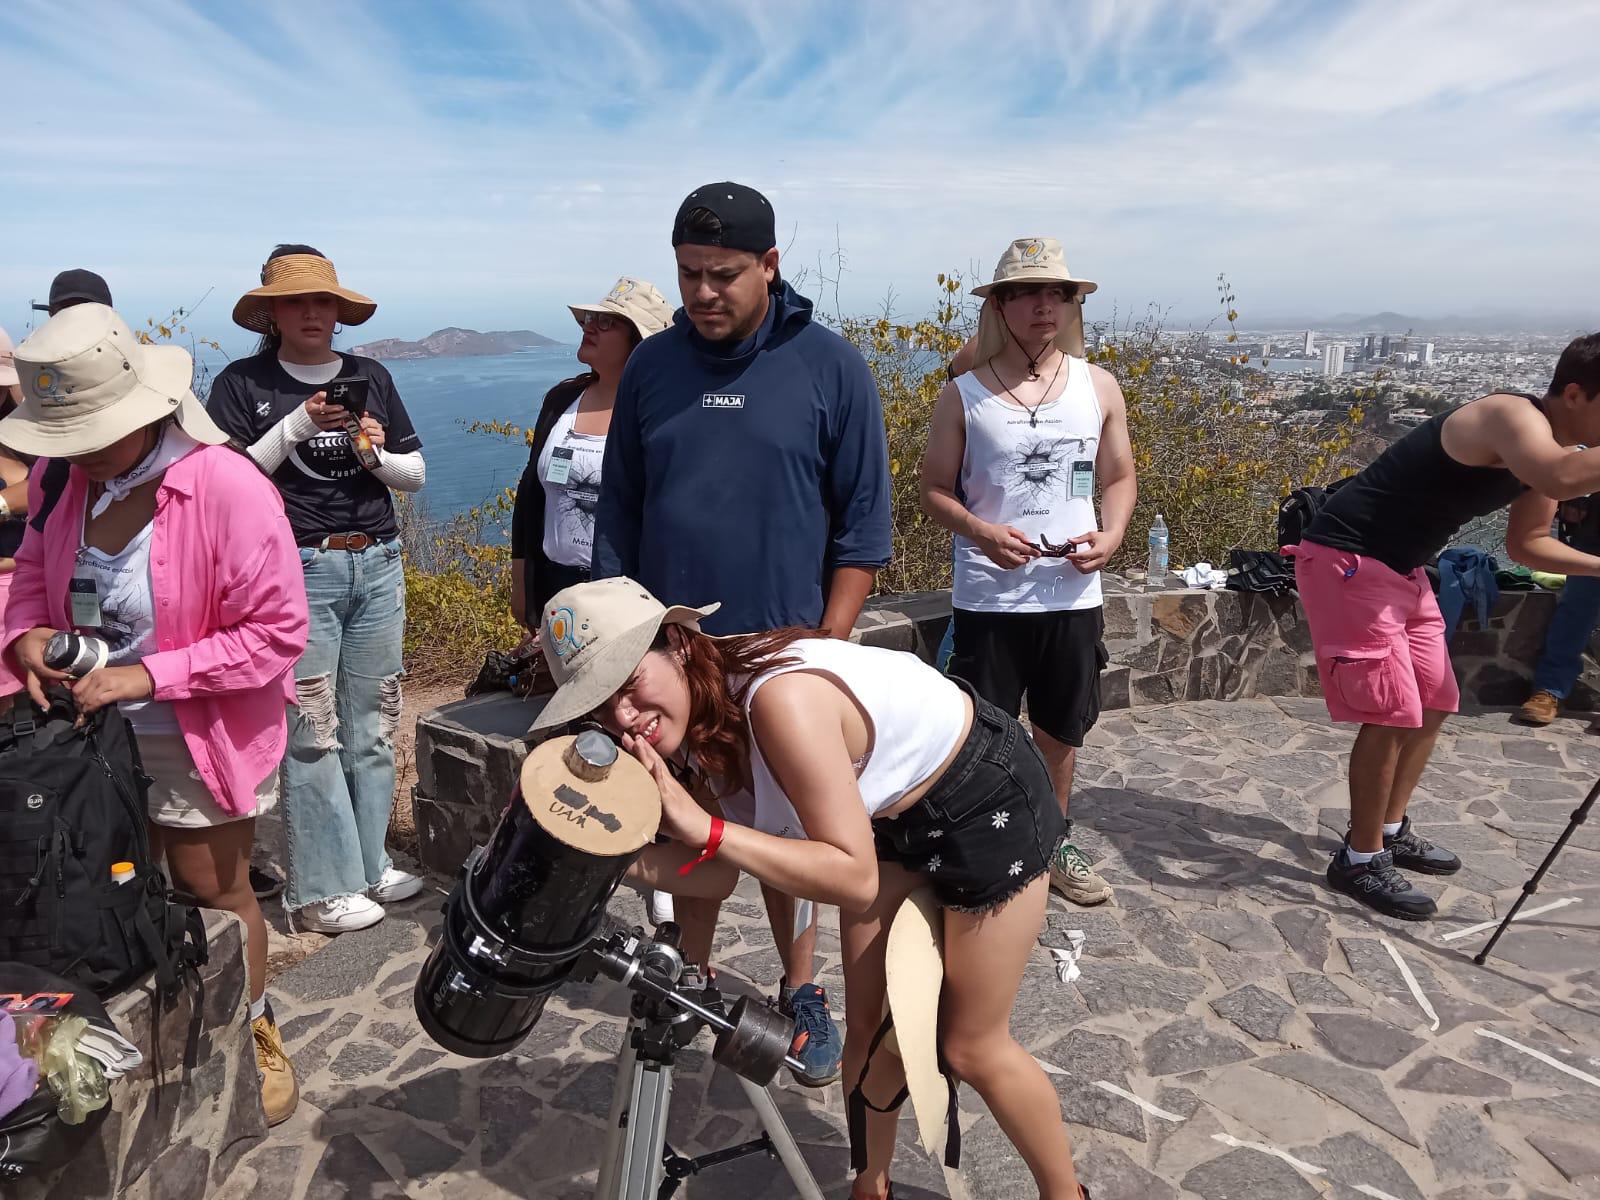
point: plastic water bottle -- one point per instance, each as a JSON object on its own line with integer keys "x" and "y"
{"x": 1155, "y": 576}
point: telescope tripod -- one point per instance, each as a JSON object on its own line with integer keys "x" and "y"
{"x": 637, "y": 1163}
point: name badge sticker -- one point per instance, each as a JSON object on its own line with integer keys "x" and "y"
{"x": 1082, "y": 486}
{"x": 85, "y": 602}
{"x": 560, "y": 465}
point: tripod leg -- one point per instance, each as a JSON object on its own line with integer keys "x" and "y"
{"x": 783, "y": 1142}
{"x": 611, "y": 1155}
{"x": 1532, "y": 886}
{"x": 646, "y": 1136}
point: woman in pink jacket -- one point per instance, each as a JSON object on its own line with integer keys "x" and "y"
{"x": 174, "y": 550}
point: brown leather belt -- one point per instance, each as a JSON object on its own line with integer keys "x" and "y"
{"x": 343, "y": 541}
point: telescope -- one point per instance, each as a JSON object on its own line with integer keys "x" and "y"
{"x": 528, "y": 913}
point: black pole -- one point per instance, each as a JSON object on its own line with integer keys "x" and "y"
{"x": 1532, "y": 886}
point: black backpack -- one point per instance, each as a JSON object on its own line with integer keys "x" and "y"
{"x": 72, "y": 803}
{"x": 1297, "y": 510}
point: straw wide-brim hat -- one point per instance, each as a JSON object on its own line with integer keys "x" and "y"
{"x": 87, "y": 381}
{"x": 594, "y": 635}
{"x": 636, "y": 301}
{"x": 299, "y": 275}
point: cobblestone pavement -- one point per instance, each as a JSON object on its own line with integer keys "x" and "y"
{"x": 1239, "y": 1032}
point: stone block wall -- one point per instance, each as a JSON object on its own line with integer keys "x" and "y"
{"x": 178, "y": 1140}
{"x": 1162, "y": 647}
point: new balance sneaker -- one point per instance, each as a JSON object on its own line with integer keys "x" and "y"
{"x": 1379, "y": 886}
{"x": 342, "y": 914}
{"x": 1413, "y": 852}
{"x": 1072, "y": 877}
{"x": 395, "y": 884}
{"x": 279, "y": 1092}
{"x": 817, "y": 1043}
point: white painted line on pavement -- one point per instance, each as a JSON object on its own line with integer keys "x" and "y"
{"x": 1411, "y": 982}
{"x": 1366, "y": 1189}
{"x": 1521, "y": 916}
{"x": 1050, "y": 1068}
{"x": 1104, "y": 1086}
{"x": 1541, "y": 1056}
{"x": 1227, "y": 1139}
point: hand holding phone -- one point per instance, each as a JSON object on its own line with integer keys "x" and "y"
{"x": 349, "y": 392}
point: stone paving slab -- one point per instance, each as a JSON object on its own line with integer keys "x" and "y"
{"x": 1270, "y": 1044}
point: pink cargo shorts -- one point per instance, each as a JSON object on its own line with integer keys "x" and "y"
{"x": 1378, "y": 637}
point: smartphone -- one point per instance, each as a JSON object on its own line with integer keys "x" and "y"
{"x": 349, "y": 392}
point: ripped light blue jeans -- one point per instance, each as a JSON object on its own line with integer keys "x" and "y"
{"x": 338, "y": 774}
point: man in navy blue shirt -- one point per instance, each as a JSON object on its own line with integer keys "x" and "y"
{"x": 747, "y": 463}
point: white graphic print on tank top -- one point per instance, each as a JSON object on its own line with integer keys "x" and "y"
{"x": 1020, "y": 472}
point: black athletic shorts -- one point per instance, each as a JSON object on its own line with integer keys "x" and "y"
{"x": 988, "y": 827}
{"x": 1052, "y": 658}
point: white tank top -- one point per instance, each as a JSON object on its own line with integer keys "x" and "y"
{"x": 914, "y": 719}
{"x": 1036, "y": 476}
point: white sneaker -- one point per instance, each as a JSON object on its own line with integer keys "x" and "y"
{"x": 342, "y": 914}
{"x": 659, "y": 905}
{"x": 395, "y": 885}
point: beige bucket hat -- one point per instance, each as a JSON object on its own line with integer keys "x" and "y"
{"x": 87, "y": 382}
{"x": 1032, "y": 260}
{"x": 299, "y": 275}
{"x": 593, "y": 635}
{"x": 634, "y": 300}
{"x": 8, "y": 365}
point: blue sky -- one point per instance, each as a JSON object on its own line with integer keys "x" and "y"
{"x": 482, "y": 163}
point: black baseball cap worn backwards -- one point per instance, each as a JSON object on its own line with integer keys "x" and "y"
{"x": 746, "y": 216}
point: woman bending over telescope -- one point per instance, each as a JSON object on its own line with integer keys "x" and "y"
{"x": 850, "y": 776}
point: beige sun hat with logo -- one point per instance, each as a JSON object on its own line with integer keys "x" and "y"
{"x": 634, "y": 300}
{"x": 299, "y": 275}
{"x": 87, "y": 381}
{"x": 1028, "y": 261}
{"x": 594, "y": 635}
{"x": 8, "y": 366}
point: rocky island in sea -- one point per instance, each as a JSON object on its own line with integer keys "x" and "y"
{"x": 455, "y": 343}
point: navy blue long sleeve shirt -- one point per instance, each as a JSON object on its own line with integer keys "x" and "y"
{"x": 745, "y": 474}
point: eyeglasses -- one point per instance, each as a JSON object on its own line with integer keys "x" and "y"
{"x": 1050, "y": 291}
{"x": 599, "y": 322}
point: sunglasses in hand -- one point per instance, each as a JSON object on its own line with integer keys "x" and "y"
{"x": 1049, "y": 549}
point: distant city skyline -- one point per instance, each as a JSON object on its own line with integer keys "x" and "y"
{"x": 482, "y": 165}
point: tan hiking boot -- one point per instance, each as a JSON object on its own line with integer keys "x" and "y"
{"x": 279, "y": 1095}
{"x": 1071, "y": 876}
{"x": 1539, "y": 709}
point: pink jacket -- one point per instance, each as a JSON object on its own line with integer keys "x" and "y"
{"x": 230, "y": 618}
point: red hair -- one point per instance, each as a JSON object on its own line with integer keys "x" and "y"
{"x": 719, "y": 672}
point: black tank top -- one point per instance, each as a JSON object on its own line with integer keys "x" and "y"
{"x": 1412, "y": 499}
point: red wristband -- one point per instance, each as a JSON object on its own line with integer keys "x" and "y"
{"x": 712, "y": 844}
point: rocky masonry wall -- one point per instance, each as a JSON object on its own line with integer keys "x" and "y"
{"x": 1161, "y": 647}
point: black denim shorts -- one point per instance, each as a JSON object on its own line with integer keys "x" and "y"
{"x": 988, "y": 827}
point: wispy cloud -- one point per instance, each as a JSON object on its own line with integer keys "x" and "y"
{"x": 484, "y": 162}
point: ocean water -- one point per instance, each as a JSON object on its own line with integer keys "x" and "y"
{"x": 446, "y": 395}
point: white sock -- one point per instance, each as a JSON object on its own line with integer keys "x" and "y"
{"x": 1357, "y": 857}
{"x": 258, "y": 1008}
{"x": 1390, "y": 828}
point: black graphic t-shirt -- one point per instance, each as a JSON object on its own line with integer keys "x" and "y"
{"x": 325, "y": 488}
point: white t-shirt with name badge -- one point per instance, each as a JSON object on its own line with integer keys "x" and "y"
{"x": 569, "y": 471}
